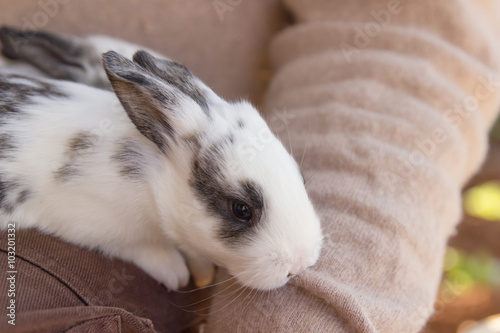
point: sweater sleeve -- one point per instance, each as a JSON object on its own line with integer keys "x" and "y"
{"x": 388, "y": 105}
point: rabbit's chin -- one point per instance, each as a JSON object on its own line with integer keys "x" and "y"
{"x": 264, "y": 282}
{"x": 273, "y": 274}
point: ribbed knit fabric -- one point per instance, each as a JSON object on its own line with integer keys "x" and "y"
{"x": 391, "y": 101}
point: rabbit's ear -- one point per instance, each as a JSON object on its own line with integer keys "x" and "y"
{"x": 162, "y": 112}
{"x": 178, "y": 76}
{"x": 58, "y": 56}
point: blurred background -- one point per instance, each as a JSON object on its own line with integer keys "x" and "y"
{"x": 470, "y": 289}
{"x": 225, "y": 43}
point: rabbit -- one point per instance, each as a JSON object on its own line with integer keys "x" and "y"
{"x": 161, "y": 167}
{"x": 62, "y": 57}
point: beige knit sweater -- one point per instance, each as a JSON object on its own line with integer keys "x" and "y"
{"x": 391, "y": 101}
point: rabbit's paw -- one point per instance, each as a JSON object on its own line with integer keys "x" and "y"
{"x": 166, "y": 265}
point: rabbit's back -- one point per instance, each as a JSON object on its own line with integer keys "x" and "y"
{"x": 71, "y": 159}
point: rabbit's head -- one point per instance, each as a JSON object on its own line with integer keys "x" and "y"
{"x": 225, "y": 186}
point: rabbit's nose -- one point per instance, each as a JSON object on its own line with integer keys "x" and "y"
{"x": 300, "y": 267}
{"x": 295, "y": 271}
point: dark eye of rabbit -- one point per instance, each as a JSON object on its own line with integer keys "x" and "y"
{"x": 241, "y": 211}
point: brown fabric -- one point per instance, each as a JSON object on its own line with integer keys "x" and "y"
{"x": 388, "y": 122}
{"x": 81, "y": 319}
{"x": 57, "y": 280}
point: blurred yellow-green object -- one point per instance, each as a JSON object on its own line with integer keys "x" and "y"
{"x": 483, "y": 201}
{"x": 495, "y": 132}
{"x": 464, "y": 270}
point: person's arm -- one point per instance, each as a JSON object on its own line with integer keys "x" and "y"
{"x": 391, "y": 101}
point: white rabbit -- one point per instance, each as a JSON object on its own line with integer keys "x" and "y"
{"x": 185, "y": 170}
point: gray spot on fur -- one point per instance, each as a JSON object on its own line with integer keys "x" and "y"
{"x": 23, "y": 196}
{"x": 129, "y": 158}
{"x": 82, "y": 141}
{"x": 3, "y": 193}
{"x": 216, "y": 192}
{"x": 6, "y": 145}
{"x": 176, "y": 75}
{"x": 14, "y": 94}
{"x": 67, "y": 172}
{"x": 12, "y": 194}
{"x": 226, "y": 141}
{"x": 193, "y": 141}
{"x": 78, "y": 148}
{"x": 240, "y": 123}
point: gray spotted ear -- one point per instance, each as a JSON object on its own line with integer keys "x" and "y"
{"x": 60, "y": 57}
{"x": 177, "y": 75}
{"x": 161, "y": 111}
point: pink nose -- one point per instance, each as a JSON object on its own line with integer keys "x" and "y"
{"x": 300, "y": 267}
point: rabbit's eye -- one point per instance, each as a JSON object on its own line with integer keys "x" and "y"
{"x": 241, "y": 210}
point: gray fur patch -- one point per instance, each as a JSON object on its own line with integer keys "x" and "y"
{"x": 14, "y": 94}
{"x": 142, "y": 99}
{"x": 3, "y": 193}
{"x": 150, "y": 121}
{"x": 81, "y": 142}
{"x": 12, "y": 194}
{"x": 67, "y": 172}
{"x": 176, "y": 75}
{"x": 193, "y": 141}
{"x": 78, "y": 147}
{"x": 23, "y": 196}
{"x": 130, "y": 159}
{"x": 19, "y": 44}
{"x": 6, "y": 145}
{"x": 240, "y": 123}
{"x": 216, "y": 192}
{"x": 57, "y": 55}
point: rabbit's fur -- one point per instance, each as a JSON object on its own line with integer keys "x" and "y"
{"x": 154, "y": 168}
